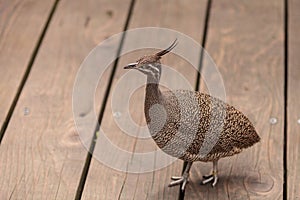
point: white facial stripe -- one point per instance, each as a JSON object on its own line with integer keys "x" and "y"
{"x": 153, "y": 67}
{"x": 130, "y": 64}
{"x": 146, "y": 70}
{"x": 141, "y": 69}
{"x": 149, "y": 72}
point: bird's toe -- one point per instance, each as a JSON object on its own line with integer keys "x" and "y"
{"x": 179, "y": 180}
{"x": 175, "y": 178}
{"x": 210, "y": 178}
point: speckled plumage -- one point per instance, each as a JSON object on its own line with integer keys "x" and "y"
{"x": 190, "y": 125}
{"x": 235, "y": 130}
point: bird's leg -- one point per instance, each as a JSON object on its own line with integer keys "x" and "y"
{"x": 213, "y": 177}
{"x": 182, "y": 179}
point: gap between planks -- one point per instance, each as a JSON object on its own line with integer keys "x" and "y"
{"x": 181, "y": 193}
{"x": 285, "y": 123}
{"x": 103, "y": 106}
{"x": 27, "y": 71}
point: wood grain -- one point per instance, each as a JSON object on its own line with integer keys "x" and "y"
{"x": 246, "y": 40}
{"x": 293, "y": 107}
{"x": 21, "y": 24}
{"x": 106, "y": 183}
{"x": 41, "y": 156}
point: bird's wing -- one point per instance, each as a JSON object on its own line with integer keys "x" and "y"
{"x": 209, "y": 123}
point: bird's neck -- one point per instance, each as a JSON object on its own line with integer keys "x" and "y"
{"x": 153, "y": 96}
{"x": 152, "y": 89}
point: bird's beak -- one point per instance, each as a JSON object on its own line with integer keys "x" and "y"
{"x": 130, "y": 66}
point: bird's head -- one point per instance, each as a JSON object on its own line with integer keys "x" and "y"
{"x": 150, "y": 64}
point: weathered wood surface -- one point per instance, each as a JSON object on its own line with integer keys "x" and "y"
{"x": 21, "y": 24}
{"x": 41, "y": 156}
{"x": 106, "y": 183}
{"x": 246, "y": 41}
{"x": 293, "y": 106}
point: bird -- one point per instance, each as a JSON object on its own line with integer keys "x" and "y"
{"x": 191, "y": 125}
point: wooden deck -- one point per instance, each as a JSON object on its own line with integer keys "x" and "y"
{"x": 255, "y": 45}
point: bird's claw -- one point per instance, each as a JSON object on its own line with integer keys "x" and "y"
{"x": 177, "y": 180}
{"x": 210, "y": 178}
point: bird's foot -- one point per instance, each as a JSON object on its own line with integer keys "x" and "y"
{"x": 210, "y": 178}
{"x": 177, "y": 180}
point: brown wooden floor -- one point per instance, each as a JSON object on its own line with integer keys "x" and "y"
{"x": 254, "y": 43}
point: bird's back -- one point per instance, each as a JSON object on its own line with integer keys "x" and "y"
{"x": 195, "y": 126}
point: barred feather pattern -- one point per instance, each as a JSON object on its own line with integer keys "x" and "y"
{"x": 194, "y": 126}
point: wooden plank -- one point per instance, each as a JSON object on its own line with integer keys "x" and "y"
{"x": 106, "y": 183}
{"x": 41, "y": 156}
{"x": 293, "y": 112}
{"x": 246, "y": 40}
{"x": 21, "y": 24}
